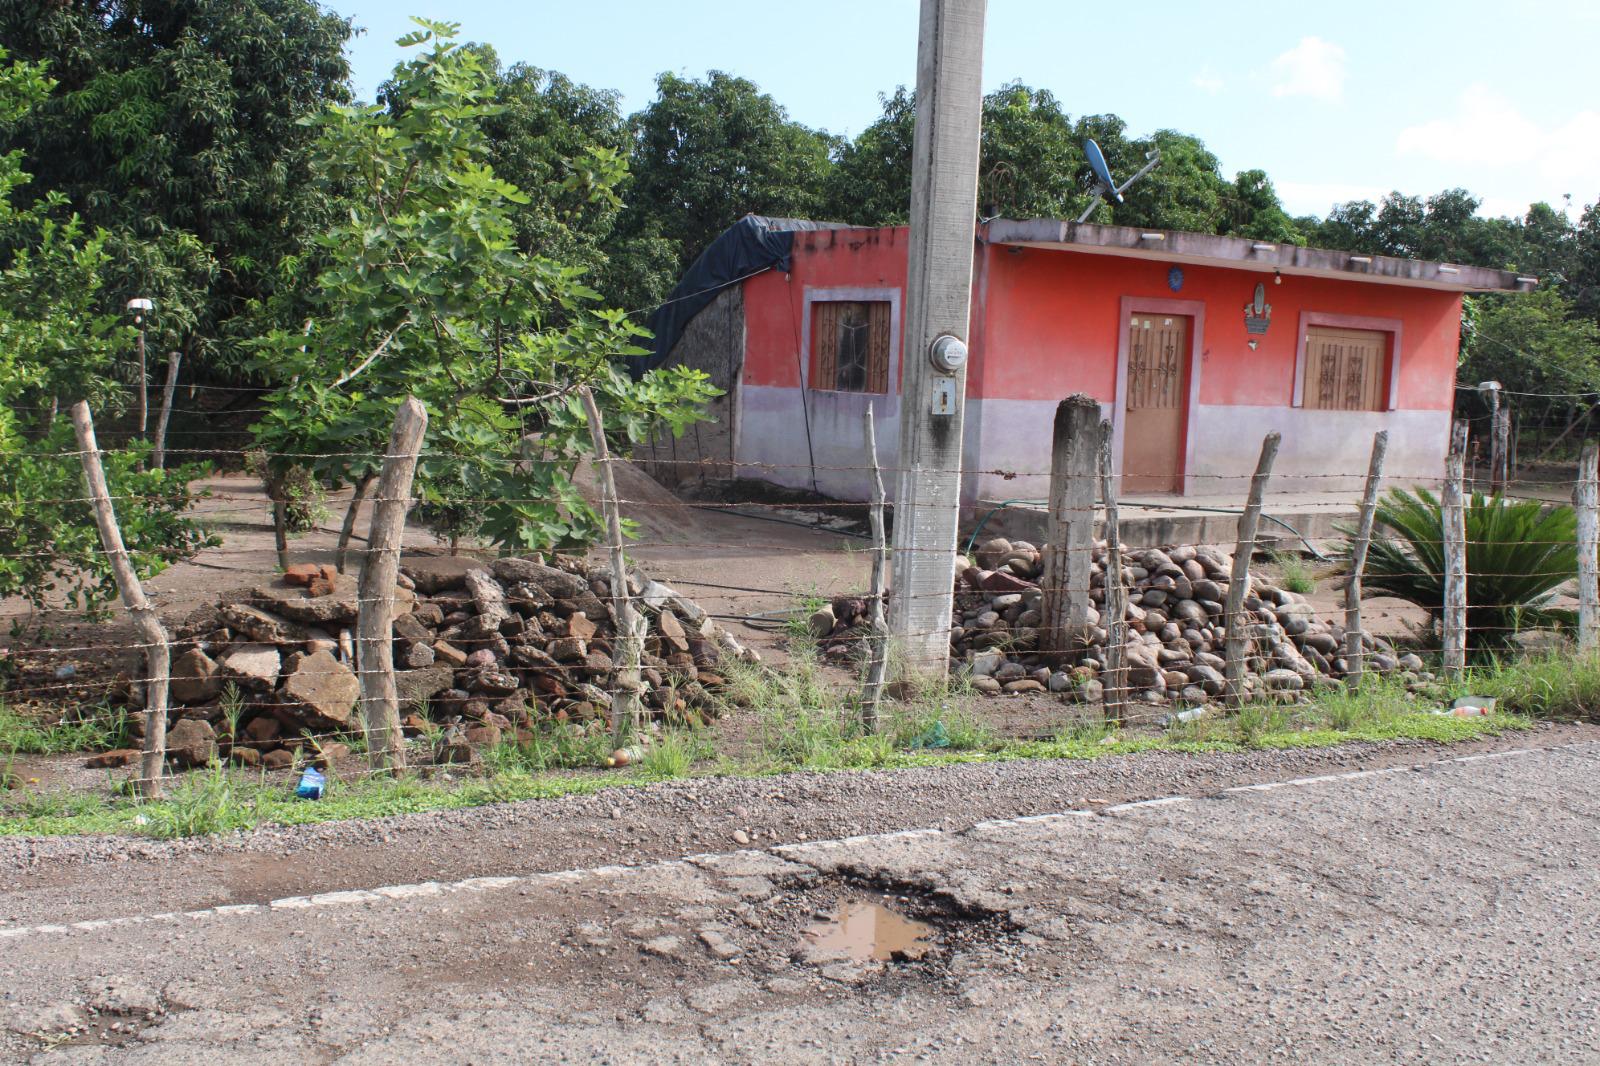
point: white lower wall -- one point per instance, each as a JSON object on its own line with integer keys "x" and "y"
{"x": 773, "y": 438}
{"x": 1321, "y": 450}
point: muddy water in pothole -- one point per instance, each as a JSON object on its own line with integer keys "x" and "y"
{"x": 865, "y": 930}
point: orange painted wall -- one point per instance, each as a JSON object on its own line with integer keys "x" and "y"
{"x": 1052, "y": 325}
{"x": 1046, "y": 323}
{"x": 865, "y": 258}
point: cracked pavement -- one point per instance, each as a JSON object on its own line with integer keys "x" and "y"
{"x": 1440, "y": 913}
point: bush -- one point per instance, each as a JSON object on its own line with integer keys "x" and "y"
{"x": 1519, "y": 553}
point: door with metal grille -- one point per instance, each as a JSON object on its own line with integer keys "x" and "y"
{"x": 1156, "y": 410}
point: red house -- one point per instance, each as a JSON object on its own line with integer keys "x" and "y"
{"x": 1195, "y": 345}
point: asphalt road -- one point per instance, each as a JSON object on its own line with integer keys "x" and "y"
{"x": 1438, "y": 913}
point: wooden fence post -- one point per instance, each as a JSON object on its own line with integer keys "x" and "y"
{"x": 1354, "y": 653}
{"x": 158, "y": 459}
{"x": 1069, "y": 546}
{"x": 877, "y": 624}
{"x": 626, "y": 706}
{"x": 1454, "y": 528}
{"x": 157, "y": 654}
{"x": 380, "y": 703}
{"x": 1240, "y": 576}
{"x": 1586, "y": 501}
{"x": 1115, "y": 615}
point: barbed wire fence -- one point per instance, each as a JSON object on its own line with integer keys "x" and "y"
{"x": 1140, "y": 631}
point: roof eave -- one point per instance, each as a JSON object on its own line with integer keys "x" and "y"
{"x": 1177, "y": 246}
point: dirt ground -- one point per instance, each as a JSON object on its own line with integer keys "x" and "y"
{"x": 747, "y": 563}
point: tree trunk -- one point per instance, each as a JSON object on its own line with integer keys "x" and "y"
{"x": 341, "y": 555}
{"x": 159, "y": 456}
{"x": 626, "y": 705}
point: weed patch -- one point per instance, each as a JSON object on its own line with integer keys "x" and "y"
{"x": 1294, "y": 573}
{"x": 94, "y": 729}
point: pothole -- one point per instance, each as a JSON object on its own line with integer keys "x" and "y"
{"x": 855, "y": 928}
{"x": 864, "y": 930}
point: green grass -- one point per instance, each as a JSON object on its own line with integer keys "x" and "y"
{"x": 221, "y": 800}
{"x": 98, "y": 728}
{"x": 805, "y": 724}
{"x": 551, "y": 748}
{"x": 1563, "y": 687}
{"x": 1294, "y": 573}
{"x": 674, "y": 754}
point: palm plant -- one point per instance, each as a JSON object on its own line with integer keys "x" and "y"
{"x": 1519, "y": 554}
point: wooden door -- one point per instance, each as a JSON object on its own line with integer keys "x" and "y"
{"x": 1156, "y": 409}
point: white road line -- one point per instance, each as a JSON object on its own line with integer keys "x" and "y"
{"x": 1164, "y": 801}
{"x": 401, "y": 893}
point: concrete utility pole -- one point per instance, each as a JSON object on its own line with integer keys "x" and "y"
{"x": 944, "y": 204}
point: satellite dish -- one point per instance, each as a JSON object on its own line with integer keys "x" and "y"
{"x": 1097, "y": 163}
{"x": 1106, "y": 186}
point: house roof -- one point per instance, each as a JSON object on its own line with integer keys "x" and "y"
{"x": 1176, "y": 246}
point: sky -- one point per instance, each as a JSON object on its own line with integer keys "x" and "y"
{"x": 1334, "y": 101}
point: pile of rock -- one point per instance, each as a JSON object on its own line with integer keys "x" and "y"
{"x": 1176, "y": 631}
{"x": 838, "y": 626}
{"x": 490, "y": 649}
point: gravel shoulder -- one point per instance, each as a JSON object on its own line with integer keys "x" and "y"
{"x": 73, "y": 878}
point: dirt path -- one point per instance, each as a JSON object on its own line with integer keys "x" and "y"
{"x": 734, "y": 565}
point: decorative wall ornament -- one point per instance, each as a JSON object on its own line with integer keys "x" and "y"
{"x": 1175, "y": 279}
{"x": 1258, "y": 313}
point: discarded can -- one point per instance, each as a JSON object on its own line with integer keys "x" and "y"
{"x": 1190, "y": 715}
{"x": 312, "y": 784}
{"x": 626, "y": 756}
{"x": 1472, "y": 706}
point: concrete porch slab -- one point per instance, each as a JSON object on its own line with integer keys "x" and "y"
{"x": 1160, "y": 520}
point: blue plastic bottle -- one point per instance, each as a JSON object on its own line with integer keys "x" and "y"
{"x": 312, "y": 784}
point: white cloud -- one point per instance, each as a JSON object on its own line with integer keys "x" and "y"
{"x": 1315, "y": 198}
{"x": 1314, "y": 68}
{"x": 1207, "y": 81}
{"x": 1487, "y": 130}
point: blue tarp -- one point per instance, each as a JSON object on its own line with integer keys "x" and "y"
{"x": 750, "y": 245}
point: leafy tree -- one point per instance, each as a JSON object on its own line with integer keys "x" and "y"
{"x": 1585, "y": 268}
{"x": 706, "y": 153}
{"x": 55, "y": 346}
{"x": 1032, "y": 165}
{"x": 566, "y": 146}
{"x": 871, "y": 183}
{"x": 1533, "y": 343}
{"x": 1444, "y": 227}
{"x": 424, "y": 291}
{"x": 174, "y": 126}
